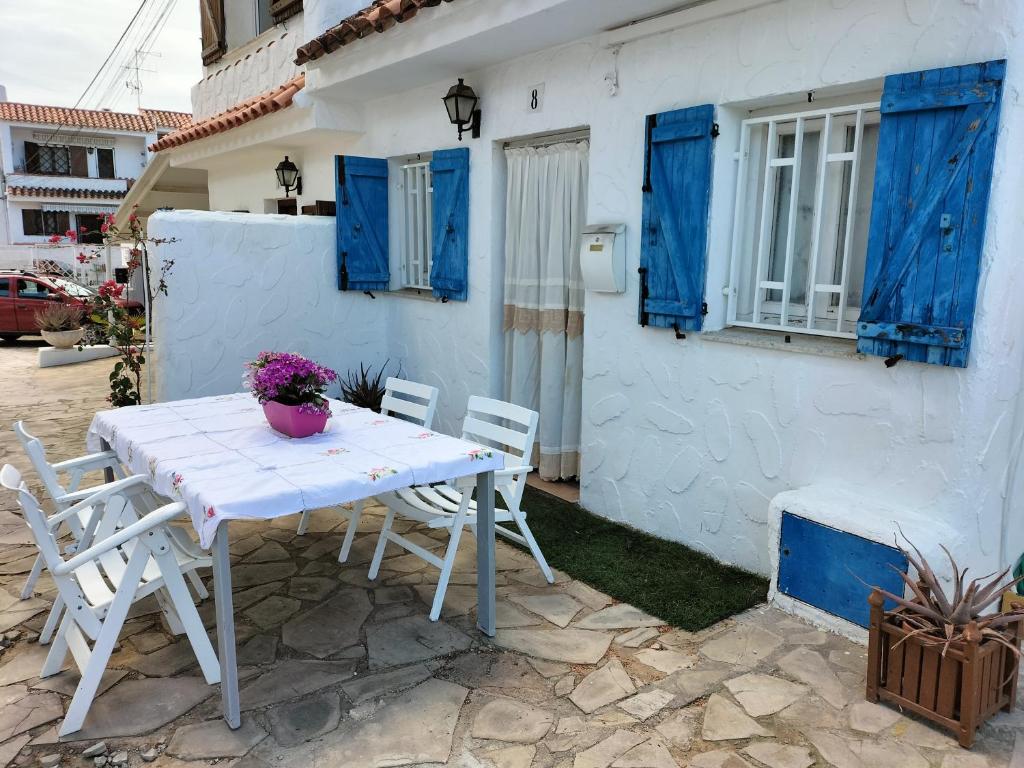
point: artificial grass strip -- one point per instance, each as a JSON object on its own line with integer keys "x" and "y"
{"x": 685, "y": 588}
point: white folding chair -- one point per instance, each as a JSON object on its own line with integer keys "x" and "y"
{"x": 129, "y": 559}
{"x": 85, "y": 522}
{"x": 500, "y": 426}
{"x": 408, "y": 400}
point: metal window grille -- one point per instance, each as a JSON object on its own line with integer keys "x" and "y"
{"x": 417, "y": 194}
{"x": 803, "y": 203}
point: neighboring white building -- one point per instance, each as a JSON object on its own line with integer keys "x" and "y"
{"x": 783, "y": 343}
{"x": 62, "y": 168}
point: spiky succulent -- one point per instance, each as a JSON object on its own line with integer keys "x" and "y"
{"x": 363, "y": 388}
{"x": 933, "y": 613}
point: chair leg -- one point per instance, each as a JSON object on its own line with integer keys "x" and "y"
{"x": 350, "y": 532}
{"x": 303, "y": 522}
{"x": 186, "y": 610}
{"x": 197, "y": 585}
{"x": 449, "y": 558}
{"x": 33, "y": 577}
{"x": 58, "y": 649}
{"x": 382, "y": 543}
{"x": 531, "y": 542}
{"x": 167, "y": 606}
{"x": 52, "y": 621}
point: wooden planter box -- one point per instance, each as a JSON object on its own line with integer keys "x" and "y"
{"x": 959, "y": 691}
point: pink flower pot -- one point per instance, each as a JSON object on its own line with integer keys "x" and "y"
{"x": 289, "y": 420}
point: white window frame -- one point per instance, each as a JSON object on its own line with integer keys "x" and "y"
{"x": 416, "y": 191}
{"x": 789, "y": 320}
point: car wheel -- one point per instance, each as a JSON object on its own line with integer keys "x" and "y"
{"x": 9, "y": 337}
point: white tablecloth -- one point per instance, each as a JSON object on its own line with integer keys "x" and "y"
{"x": 220, "y": 457}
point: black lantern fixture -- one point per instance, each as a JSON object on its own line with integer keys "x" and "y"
{"x": 288, "y": 176}
{"x": 461, "y": 104}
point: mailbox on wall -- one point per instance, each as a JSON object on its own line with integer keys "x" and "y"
{"x": 603, "y": 257}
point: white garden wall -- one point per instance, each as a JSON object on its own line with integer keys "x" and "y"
{"x": 688, "y": 439}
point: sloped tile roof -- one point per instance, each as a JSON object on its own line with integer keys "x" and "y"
{"x": 379, "y": 16}
{"x": 245, "y": 112}
{"x": 91, "y": 194}
{"x": 145, "y": 122}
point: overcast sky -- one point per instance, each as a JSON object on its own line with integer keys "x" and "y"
{"x": 52, "y": 48}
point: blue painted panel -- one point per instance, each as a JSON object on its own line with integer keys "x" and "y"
{"x": 362, "y": 223}
{"x": 449, "y": 269}
{"x": 820, "y": 565}
{"x": 936, "y": 150}
{"x": 676, "y": 203}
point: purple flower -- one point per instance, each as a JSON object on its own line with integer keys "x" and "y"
{"x": 291, "y": 380}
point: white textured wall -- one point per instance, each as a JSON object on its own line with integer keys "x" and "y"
{"x": 690, "y": 439}
{"x": 242, "y": 284}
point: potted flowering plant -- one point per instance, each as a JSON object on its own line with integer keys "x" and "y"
{"x": 291, "y": 390}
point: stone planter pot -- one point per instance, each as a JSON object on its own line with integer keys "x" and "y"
{"x": 289, "y": 420}
{"x": 63, "y": 339}
{"x": 974, "y": 680}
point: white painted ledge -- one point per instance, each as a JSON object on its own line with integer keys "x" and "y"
{"x": 51, "y": 356}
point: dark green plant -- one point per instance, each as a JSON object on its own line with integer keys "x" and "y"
{"x": 365, "y": 389}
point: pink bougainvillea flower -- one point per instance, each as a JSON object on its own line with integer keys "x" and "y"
{"x": 82, "y": 258}
{"x": 110, "y": 288}
{"x": 54, "y": 239}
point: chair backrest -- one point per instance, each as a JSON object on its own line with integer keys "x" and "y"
{"x": 11, "y": 479}
{"x": 37, "y": 455}
{"x": 497, "y": 424}
{"x": 411, "y": 400}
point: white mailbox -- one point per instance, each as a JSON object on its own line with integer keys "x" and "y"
{"x": 603, "y": 257}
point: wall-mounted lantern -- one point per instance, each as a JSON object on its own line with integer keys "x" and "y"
{"x": 461, "y": 104}
{"x": 288, "y": 176}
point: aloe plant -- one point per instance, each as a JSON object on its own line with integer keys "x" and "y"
{"x": 934, "y": 612}
{"x": 365, "y": 389}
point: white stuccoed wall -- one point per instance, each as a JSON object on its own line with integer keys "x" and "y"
{"x": 690, "y": 439}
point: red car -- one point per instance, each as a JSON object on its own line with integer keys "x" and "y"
{"x": 21, "y": 294}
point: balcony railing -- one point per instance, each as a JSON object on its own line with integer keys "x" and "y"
{"x": 52, "y": 181}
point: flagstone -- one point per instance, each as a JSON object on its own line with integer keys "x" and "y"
{"x": 647, "y": 704}
{"x": 549, "y": 668}
{"x": 411, "y": 639}
{"x": 634, "y": 638}
{"x": 719, "y": 758}
{"x": 812, "y": 712}
{"x": 650, "y": 754}
{"x": 607, "y": 751}
{"x": 29, "y": 711}
{"x": 872, "y": 718}
{"x": 620, "y": 616}
{"x": 243, "y": 546}
{"x": 507, "y": 617}
{"x": 723, "y": 721}
{"x": 261, "y": 649}
{"x": 366, "y": 687}
{"x": 565, "y": 685}
{"x": 666, "y": 661}
{"x": 763, "y": 694}
{"x": 330, "y": 626}
{"x": 458, "y": 600}
{"x": 776, "y": 755}
{"x": 602, "y": 686}
{"x": 557, "y": 608}
{"x": 574, "y": 646}
{"x": 10, "y": 749}
{"x": 272, "y": 611}
{"x": 388, "y": 595}
{"x": 746, "y": 646}
{"x": 809, "y": 667}
{"x": 834, "y": 749}
{"x": 135, "y": 707}
{"x": 518, "y": 756}
{"x": 292, "y": 678}
{"x": 331, "y": 545}
{"x": 66, "y": 682}
{"x": 305, "y": 719}
{"x": 166, "y": 662}
{"x": 214, "y": 739}
{"x": 888, "y": 753}
{"x": 251, "y": 575}
{"x": 590, "y": 597}
{"x": 147, "y": 642}
{"x": 679, "y": 728}
{"x": 26, "y": 665}
{"x": 496, "y": 671}
{"x": 511, "y": 720}
{"x": 318, "y": 521}
{"x": 689, "y": 685}
{"x": 270, "y": 552}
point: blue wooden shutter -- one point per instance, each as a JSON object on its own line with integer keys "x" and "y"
{"x": 674, "y": 236}
{"x": 936, "y": 148}
{"x": 362, "y": 221}
{"x": 449, "y": 269}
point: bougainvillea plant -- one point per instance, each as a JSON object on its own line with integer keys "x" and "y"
{"x": 122, "y": 326}
{"x": 290, "y": 380}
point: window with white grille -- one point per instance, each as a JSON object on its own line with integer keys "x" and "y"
{"x": 416, "y": 194}
{"x": 803, "y": 205}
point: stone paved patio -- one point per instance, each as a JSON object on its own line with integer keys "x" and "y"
{"x": 339, "y": 671}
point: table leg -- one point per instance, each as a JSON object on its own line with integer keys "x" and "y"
{"x": 225, "y": 626}
{"x": 485, "y": 564}
{"x": 108, "y": 473}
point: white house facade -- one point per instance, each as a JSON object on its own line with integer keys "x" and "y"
{"x": 63, "y": 168}
{"x": 819, "y": 213}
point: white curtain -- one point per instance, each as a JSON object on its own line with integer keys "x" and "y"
{"x": 546, "y": 206}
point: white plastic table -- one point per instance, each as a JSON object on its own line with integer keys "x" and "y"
{"x": 220, "y": 457}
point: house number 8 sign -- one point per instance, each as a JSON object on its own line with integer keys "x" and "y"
{"x": 535, "y": 100}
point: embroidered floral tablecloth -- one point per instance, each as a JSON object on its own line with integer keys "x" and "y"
{"x": 220, "y": 457}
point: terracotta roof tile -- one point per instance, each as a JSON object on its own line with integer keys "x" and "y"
{"x": 379, "y": 16}
{"x": 145, "y": 122}
{"x": 239, "y": 114}
{"x": 92, "y": 194}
